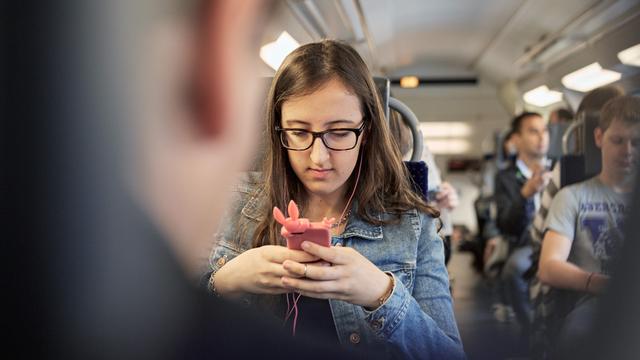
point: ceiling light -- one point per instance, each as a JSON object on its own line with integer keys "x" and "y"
{"x": 445, "y": 129}
{"x": 448, "y": 146}
{"x": 630, "y": 56}
{"x": 409, "y": 81}
{"x": 542, "y": 96}
{"x": 589, "y": 78}
{"x": 274, "y": 53}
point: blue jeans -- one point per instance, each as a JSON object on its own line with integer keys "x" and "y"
{"x": 516, "y": 287}
{"x": 578, "y": 322}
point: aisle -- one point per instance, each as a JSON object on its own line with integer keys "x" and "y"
{"x": 483, "y": 336}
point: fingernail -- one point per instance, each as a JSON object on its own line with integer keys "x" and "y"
{"x": 305, "y": 245}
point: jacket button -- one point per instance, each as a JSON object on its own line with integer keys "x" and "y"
{"x": 222, "y": 261}
{"x": 354, "y": 338}
{"x": 377, "y": 324}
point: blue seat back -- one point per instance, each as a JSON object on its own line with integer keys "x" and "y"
{"x": 419, "y": 177}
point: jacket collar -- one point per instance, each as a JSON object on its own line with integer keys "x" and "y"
{"x": 252, "y": 208}
{"x": 357, "y": 227}
{"x": 523, "y": 169}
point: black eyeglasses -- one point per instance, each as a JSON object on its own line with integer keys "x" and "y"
{"x": 334, "y": 139}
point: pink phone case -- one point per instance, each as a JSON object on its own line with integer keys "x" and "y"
{"x": 296, "y": 230}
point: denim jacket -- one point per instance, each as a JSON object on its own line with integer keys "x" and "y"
{"x": 417, "y": 320}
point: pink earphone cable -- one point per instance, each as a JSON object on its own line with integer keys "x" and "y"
{"x": 295, "y": 297}
{"x": 292, "y": 310}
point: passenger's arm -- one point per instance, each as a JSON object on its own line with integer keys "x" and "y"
{"x": 421, "y": 323}
{"x": 447, "y": 197}
{"x": 557, "y": 272}
{"x": 237, "y": 269}
{"x": 538, "y": 181}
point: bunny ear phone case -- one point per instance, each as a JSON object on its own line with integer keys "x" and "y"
{"x": 296, "y": 230}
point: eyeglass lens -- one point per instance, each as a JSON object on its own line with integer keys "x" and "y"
{"x": 336, "y": 139}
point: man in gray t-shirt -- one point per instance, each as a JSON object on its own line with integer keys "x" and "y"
{"x": 583, "y": 228}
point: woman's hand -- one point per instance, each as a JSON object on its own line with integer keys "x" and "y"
{"x": 351, "y": 277}
{"x": 258, "y": 271}
{"x": 447, "y": 197}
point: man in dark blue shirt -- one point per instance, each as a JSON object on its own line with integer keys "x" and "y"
{"x": 517, "y": 194}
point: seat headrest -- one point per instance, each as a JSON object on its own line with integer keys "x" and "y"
{"x": 384, "y": 89}
{"x": 592, "y": 154}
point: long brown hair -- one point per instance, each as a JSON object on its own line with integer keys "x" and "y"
{"x": 384, "y": 181}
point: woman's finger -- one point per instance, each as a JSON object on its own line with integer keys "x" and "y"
{"x": 312, "y": 286}
{"x": 315, "y": 271}
{"x": 333, "y": 254}
{"x": 279, "y": 270}
{"x": 278, "y": 254}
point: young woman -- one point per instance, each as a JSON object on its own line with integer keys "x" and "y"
{"x": 329, "y": 149}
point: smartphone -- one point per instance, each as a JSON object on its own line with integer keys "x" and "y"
{"x": 315, "y": 234}
{"x": 296, "y": 230}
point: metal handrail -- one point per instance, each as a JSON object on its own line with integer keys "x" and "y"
{"x": 412, "y": 121}
{"x": 567, "y": 133}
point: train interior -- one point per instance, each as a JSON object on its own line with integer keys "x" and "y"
{"x": 116, "y": 148}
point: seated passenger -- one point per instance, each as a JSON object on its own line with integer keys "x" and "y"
{"x": 544, "y": 324}
{"x": 329, "y": 149}
{"x": 584, "y": 224}
{"x": 440, "y": 194}
{"x": 559, "y": 121}
{"x": 517, "y": 196}
{"x": 492, "y": 251}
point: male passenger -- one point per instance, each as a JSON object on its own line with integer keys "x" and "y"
{"x": 560, "y": 115}
{"x": 517, "y": 194}
{"x": 541, "y": 297}
{"x": 584, "y": 224}
{"x": 170, "y": 84}
{"x": 198, "y": 126}
{"x": 559, "y": 121}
